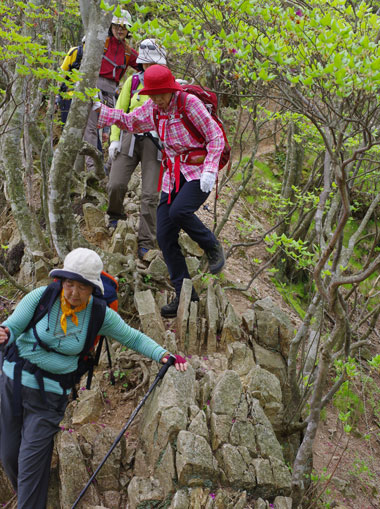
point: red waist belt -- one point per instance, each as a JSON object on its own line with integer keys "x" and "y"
{"x": 194, "y": 157}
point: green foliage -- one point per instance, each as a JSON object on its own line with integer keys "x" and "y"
{"x": 346, "y": 399}
{"x": 293, "y": 294}
{"x": 296, "y": 249}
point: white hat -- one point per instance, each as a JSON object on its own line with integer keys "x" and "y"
{"x": 151, "y": 53}
{"x": 82, "y": 265}
{"x": 125, "y": 19}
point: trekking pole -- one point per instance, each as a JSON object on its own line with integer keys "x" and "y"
{"x": 159, "y": 377}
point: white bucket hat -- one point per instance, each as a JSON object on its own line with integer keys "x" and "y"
{"x": 125, "y": 19}
{"x": 82, "y": 265}
{"x": 151, "y": 53}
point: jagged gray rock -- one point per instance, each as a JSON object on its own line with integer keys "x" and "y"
{"x": 165, "y": 471}
{"x": 142, "y": 490}
{"x": 93, "y": 216}
{"x": 196, "y": 465}
{"x": 149, "y": 314}
{"x": 231, "y": 327}
{"x": 180, "y": 500}
{"x": 274, "y": 328}
{"x": 266, "y": 439}
{"x": 237, "y": 467}
{"x": 240, "y": 357}
{"x": 261, "y": 504}
{"x": 73, "y": 473}
{"x": 117, "y": 244}
{"x": 108, "y": 476}
{"x": 164, "y": 416}
{"x": 193, "y": 265}
{"x": 183, "y": 314}
{"x": 40, "y": 270}
{"x": 189, "y": 246}
{"x": 130, "y": 243}
{"x": 89, "y": 407}
{"x": 112, "y": 499}
{"x": 212, "y": 314}
{"x": 226, "y": 394}
{"x": 282, "y": 503}
{"x": 193, "y": 344}
{"x": 272, "y": 361}
{"x": 198, "y": 425}
{"x": 157, "y": 269}
{"x": 248, "y": 320}
{"x": 266, "y": 387}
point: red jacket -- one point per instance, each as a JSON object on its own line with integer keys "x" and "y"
{"x": 116, "y": 58}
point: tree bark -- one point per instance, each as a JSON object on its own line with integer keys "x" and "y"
{"x": 65, "y": 231}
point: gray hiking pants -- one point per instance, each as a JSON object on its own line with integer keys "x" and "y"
{"x": 146, "y": 152}
{"x": 26, "y": 442}
{"x": 108, "y": 88}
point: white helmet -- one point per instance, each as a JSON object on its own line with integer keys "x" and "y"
{"x": 125, "y": 19}
{"x": 151, "y": 53}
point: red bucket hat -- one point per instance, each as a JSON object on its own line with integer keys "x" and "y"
{"x": 158, "y": 79}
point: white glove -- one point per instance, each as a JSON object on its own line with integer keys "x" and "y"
{"x": 96, "y": 106}
{"x": 114, "y": 149}
{"x": 207, "y": 181}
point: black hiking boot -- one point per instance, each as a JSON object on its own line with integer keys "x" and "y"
{"x": 170, "y": 310}
{"x": 216, "y": 259}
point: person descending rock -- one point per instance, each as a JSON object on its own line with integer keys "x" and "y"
{"x": 41, "y": 362}
{"x": 190, "y": 166}
{"x": 127, "y": 150}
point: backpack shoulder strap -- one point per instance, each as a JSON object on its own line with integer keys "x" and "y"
{"x": 78, "y": 58}
{"x": 156, "y": 118}
{"x": 79, "y": 54}
{"x": 181, "y": 105}
{"x": 135, "y": 83}
{"x": 98, "y": 314}
{"x": 49, "y": 296}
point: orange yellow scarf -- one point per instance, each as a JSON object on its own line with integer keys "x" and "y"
{"x": 67, "y": 310}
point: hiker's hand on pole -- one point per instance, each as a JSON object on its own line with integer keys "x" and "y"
{"x": 180, "y": 363}
{"x": 4, "y": 335}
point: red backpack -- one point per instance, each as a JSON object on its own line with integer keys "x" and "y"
{"x": 210, "y": 100}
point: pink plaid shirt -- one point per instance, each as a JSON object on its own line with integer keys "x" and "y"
{"x": 177, "y": 139}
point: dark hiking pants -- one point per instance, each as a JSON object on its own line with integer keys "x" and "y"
{"x": 26, "y": 442}
{"x": 177, "y": 215}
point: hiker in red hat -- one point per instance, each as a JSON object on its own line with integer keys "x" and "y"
{"x": 190, "y": 167}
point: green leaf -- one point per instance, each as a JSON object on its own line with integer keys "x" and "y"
{"x": 187, "y": 30}
{"x": 105, "y": 6}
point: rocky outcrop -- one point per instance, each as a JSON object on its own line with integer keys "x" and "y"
{"x": 226, "y": 440}
{"x": 206, "y": 439}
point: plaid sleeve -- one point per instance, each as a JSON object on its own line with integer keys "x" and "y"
{"x": 139, "y": 120}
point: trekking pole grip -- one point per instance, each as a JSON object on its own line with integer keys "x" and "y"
{"x": 165, "y": 367}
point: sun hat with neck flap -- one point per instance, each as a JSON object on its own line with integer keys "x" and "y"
{"x": 158, "y": 79}
{"x": 83, "y": 265}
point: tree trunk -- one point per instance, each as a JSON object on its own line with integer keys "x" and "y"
{"x": 25, "y": 218}
{"x": 65, "y": 231}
